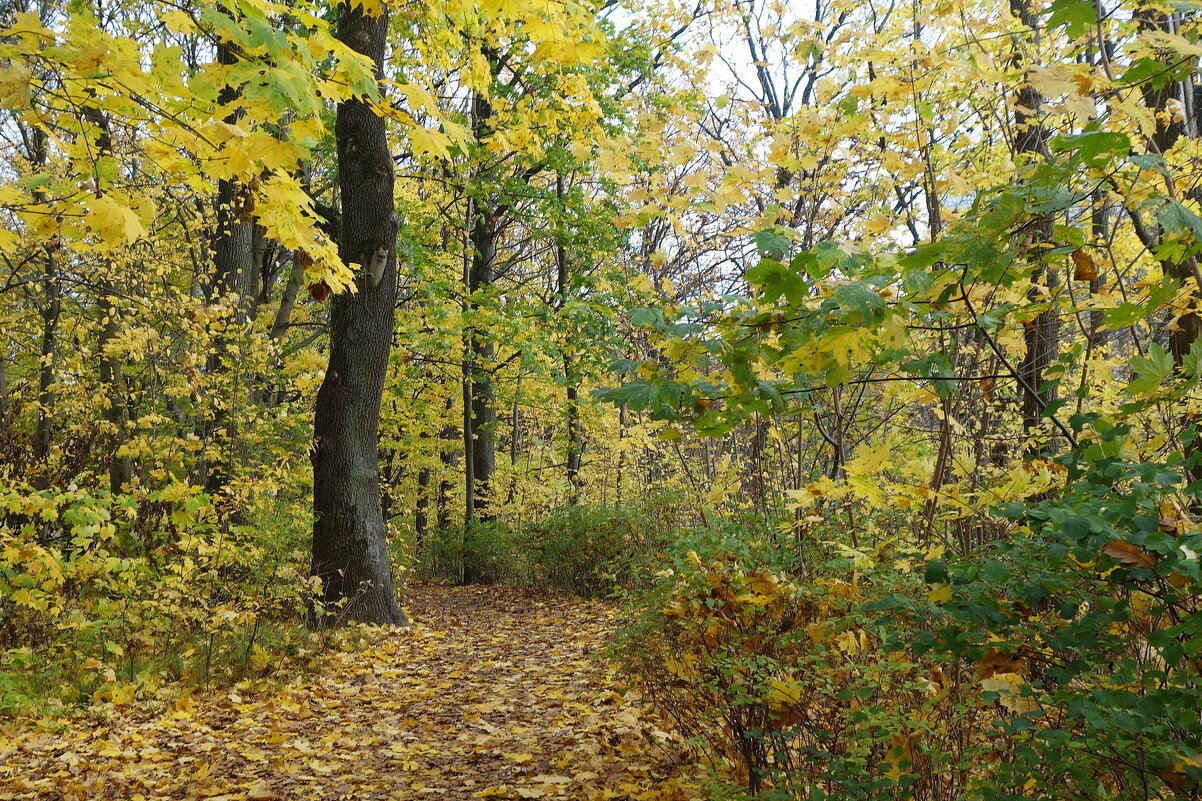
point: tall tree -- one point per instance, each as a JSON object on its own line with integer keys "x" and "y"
{"x": 233, "y": 280}
{"x": 350, "y": 554}
{"x": 1041, "y": 335}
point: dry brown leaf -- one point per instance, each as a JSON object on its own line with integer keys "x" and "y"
{"x": 1128, "y": 554}
{"x": 1084, "y": 266}
{"x": 319, "y": 291}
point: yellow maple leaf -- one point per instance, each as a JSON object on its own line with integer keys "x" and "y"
{"x": 427, "y": 141}
{"x": 115, "y": 223}
{"x": 372, "y": 8}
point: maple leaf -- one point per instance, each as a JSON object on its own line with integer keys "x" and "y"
{"x": 115, "y": 223}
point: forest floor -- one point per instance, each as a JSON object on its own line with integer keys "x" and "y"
{"x": 493, "y": 693}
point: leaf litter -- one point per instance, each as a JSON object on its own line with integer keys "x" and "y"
{"x": 494, "y": 692}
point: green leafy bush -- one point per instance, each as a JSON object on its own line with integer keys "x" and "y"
{"x": 1063, "y": 660}
{"x": 1095, "y": 604}
{"x": 584, "y": 550}
{"x": 106, "y": 597}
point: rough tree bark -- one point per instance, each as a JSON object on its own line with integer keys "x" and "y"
{"x": 350, "y": 554}
{"x": 480, "y": 354}
{"x": 234, "y": 277}
{"x": 36, "y": 151}
{"x": 1042, "y": 334}
{"x": 479, "y": 395}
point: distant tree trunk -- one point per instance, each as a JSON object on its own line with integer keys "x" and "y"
{"x": 1041, "y": 335}
{"x": 621, "y": 467}
{"x": 421, "y": 513}
{"x": 571, "y": 379}
{"x": 120, "y": 468}
{"x": 479, "y": 396}
{"x": 350, "y": 551}
{"x": 480, "y": 354}
{"x": 234, "y": 277}
{"x": 575, "y": 446}
{"x": 283, "y": 315}
{"x": 1168, "y": 131}
{"x": 448, "y": 455}
{"x": 1188, "y": 328}
{"x": 52, "y": 307}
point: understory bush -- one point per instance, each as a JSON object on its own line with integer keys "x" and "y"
{"x": 106, "y": 597}
{"x": 584, "y": 550}
{"x": 1060, "y": 661}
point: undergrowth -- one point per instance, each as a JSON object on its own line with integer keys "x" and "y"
{"x": 579, "y": 549}
{"x": 1060, "y": 660}
{"x": 107, "y": 598}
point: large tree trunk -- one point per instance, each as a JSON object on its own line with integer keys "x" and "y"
{"x": 350, "y": 553}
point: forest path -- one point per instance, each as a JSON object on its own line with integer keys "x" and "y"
{"x": 494, "y": 693}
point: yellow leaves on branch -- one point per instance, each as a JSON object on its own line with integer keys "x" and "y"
{"x": 286, "y": 213}
{"x": 115, "y": 224}
{"x": 246, "y": 154}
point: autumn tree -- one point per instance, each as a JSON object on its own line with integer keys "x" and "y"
{"x": 350, "y": 552}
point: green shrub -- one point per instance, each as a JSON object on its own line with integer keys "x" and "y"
{"x": 584, "y": 550}
{"x": 106, "y": 597}
{"x": 1062, "y": 661}
{"x": 1095, "y": 604}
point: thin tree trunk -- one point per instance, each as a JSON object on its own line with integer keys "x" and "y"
{"x": 479, "y": 396}
{"x": 1041, "y": 335}
{"x": 283, "y": 315}
{"x": 480, "y": 354}
{"x": 234, "y": 279}
{"x": 421, "y": 514}
{"x": 448, "y": 455}
{"x": 350, "y": 549}
{"x": 120, "y": 468}
{"x": 52, "y": 307}
{"x": 571, "y": 380}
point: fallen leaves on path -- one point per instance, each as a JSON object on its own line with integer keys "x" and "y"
{"x": 494, "y": 693}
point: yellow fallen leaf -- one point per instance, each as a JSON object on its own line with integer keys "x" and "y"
{"x": 261, "y": 791}
{"x": 519, "y": 758}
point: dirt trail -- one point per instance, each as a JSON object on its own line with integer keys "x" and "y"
{"x": 494, "y": 693}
